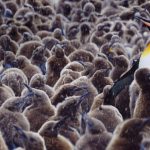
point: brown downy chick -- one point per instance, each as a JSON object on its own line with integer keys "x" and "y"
{"x": 9, "y": 60}
{"x": 8, "y": 119}
{"x": 7, "y": 44}
{"x": 28, "y": 140}
{"x": 128, "y": 135}
{"x": 88, "y": 87}
{"x": 53, "y": 140}
{"x": 25, "y": 65}
{"x": 57, "y": 23}
{"x": 14, "y": 78}
{"x": 107, "y": 111}
{"x": 85, "y": 29}
{"x": 40, "y": 110}
{"x": 67, "y": 47}
{"x": 96, "y": 136}
{"x": 12, "y": 6}
{"x": 28, "y": 21}
{"x": 71, "y": 109}
{"x": 74, "y": 66}
{"x": 27, "y": 48}
{"x": 66, "y": 76}
{"x": 18, "y": 104}
{"x": 121, "y": 64}
{"x": 100, "y": 81}
{"x": 142, "y": 104}
{"x": 81, "y": 55}
{"x": 58, "y": 34}
{"x": 38, "y": 58}
{"x": 38, "y": 81}
{"x": 55, "y": 64}
{"x": 14, "y": 34}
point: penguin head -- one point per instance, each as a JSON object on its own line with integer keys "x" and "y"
{"x": 22, "y": 61}
{"x": 57, "y": 50}
{"x": 145, "y": 21}
{"x": 131, "y": 129}
{"x": 142, "y": 77}
{"x": 37, "y": 80}
{"x": 121, "y": 61}
{"x": 88, "y": 8}
{"x": 52, "y": 128}
{"x": 85, "y": 28}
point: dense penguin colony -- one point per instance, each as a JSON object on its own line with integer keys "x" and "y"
{"x": 74, "y": 75}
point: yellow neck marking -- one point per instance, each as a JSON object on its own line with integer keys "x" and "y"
{"x": 146, "y": 51}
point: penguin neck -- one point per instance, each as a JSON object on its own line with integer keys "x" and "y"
{"x": 146, "y": 51}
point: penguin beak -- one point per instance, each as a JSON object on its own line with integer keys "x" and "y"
{"x": 144, "y": 20}
{"x": 29, "y": 88}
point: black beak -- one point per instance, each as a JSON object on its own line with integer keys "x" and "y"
{"x": 28, "y": 87}
{"x": 144, "y": 20}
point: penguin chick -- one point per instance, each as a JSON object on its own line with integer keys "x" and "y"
{"x": 128, "y": 135}
{"x": 18, "y": 104}
{"x": 8, "y": 119}
{"x": 70, "y": 108}
{"x": 14, "y": 78}
{"x": 92, "y": 47}
{"x": 3, "y": 145}
{"x": 28, "y": 140}
{"x": 105, "y": 111}
{"x": 121, "y": 64}
{"x": 58, "y": 34}
{"x": 14, "y": 34}
{"x": 96, "y": 136}
{"x": 55, "y": 64}
{"x": 142, "y": 104}
{"x": 38, "y": 81}
{"x": 25, "y": 65}
{"x": 64, "y": 79}
{"x": 27, "y": 48}
{"x": 12, "y": 6}
{"x": 67, "y": 47}
{"x": 7, "y": 44}
{"x": 88, "y": 9}
{"x": 84, "y": 32}
{"x": 81, "y": 55}
{"x": 53, "y": 140}
{"x": 40, "y": 107}
{"x": 9, "y": 60}
{"x": 38, "y": 58}
{"x": 100, "y": 81}
{"x": 74, "y": 66}
{"x": 57, "y": 22}
{"x": 92, "y": 92}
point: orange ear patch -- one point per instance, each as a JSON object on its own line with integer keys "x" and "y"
{"x": 146, "y": 51}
